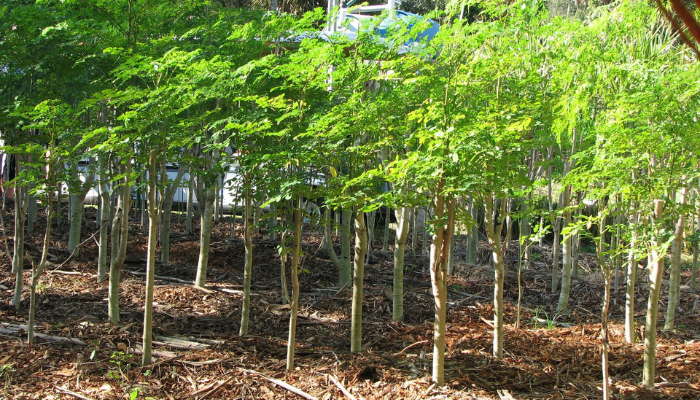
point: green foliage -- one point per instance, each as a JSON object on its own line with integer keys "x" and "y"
{"x": 542, "y": 320}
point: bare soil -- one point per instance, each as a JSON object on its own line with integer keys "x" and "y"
{"x": 549, "y": 357}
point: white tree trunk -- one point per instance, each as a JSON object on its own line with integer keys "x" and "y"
{"x": 345, "y": 274}
{"x": 387, "y": 222}
{"x": 631, "y": 283}
{"x": 328, "y": 238}
{"x": 656, "y": 267}
{"x": 294, "y": 306}
{"x": 370, "y": 234}
{"x": 402, "y": 220}
{"x": 563, "y": 303}
{"x": 205, "y": 236}
{"x": 105, "y": 207}
{"x": 357, "y": 282}
{"x": 120, "y": 236}
{"x": 77, "y": 206}
{"x": 36, "y": 272}
{"x": 439, "y": 251}
{"x": 248, "y": 265}
{"x": 674, "y": 281}
{"x": 473, "y": 236}
{"x": 556, "y": 245}
{"x": 18, "y": 255}
{"x": 167, "y": 202}
{"x": 190, "y": 204}
{"x": 493, "y": 231}
{"x": 153, "y": 223}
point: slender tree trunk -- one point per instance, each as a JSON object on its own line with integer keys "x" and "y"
{"x": 493, "y": 231}
{"x": 450, "y": 254}
{"x": 167, "y": 215}
{"x": 296, "y": 252}
{"x": 674, "y": 282}
{"x": 283, "y": 267}
{"x": 694, "y": 269}
{"x": 424, "y": 250}
{"x": 616, "y": 257}
{"x": 153, "y": 224}
{"x": 509, "y": 225}
{"x": 76, "y": 222}
{"x": 631, "y": 283}
{"x": 345, "y": 274}
{"x": 338, "y": 223}
{"x": 563, "y": 304}
{"x": 115, "y": 267}
{"x": 36, "y": 272}
{"x": 439, "y": 252}
{"x": 414, "y": 231}
{"x": 105, "y": 207}
{"x": 272, "y": 235}
{"x": 604, "y": 333}
{"x": 18, "y": 255}
{"x": 696, "y": 228}
{"x": 190, "y": 203}
{"x": 32, "y": 210}
{"x": 248, "y": 266}
{"x": 473, "y": 236}
{"x": 120, "y": 236}
{"x": 77, "y": 207}
{"x": 402, "y": 220}
{"x": 2, "y": 226}
{"x": 607, "y": 273}
{"x": 357, "y": 281}
{"x": 575, "y": 252}
{"x": 217, "y": 198}
{"x": 656, "y": 267}
{"x": 370, "y": 234}
{"x": 328, "y": 238}
{"x": 556, "y": 245}
{"x": 205, "y": 236}
{"x": 525, "y": 229}
{"x": 387, "y": 222}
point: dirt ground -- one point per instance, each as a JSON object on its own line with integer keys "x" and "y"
{"x": 549, "y": 357}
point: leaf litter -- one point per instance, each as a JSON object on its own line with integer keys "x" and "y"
{"x": 199, "y": 355}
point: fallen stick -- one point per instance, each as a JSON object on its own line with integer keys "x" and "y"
{"x": 11, "y": 329}
{"x": 175, "y": 280}
{"x": 217, "y": 387}
{"x": 162, "y": 278}
{"x": 58, "y": 271}
{"x": 198, "y": 363}
{"x": 410, "y": 347}
{"x": 167, "y": 355}
{"x": 430, "y": 389}
{"x": 181, "y": 346}
{"x": 68, "y": 392}
{"x": 234, "y": 291}
{"x": 282, "y": 384}
{"x": 181, "y": 341}
{"x": 341, "y": 387}
{"x": 74, "y": 341}
{"x": 486, "y": 321}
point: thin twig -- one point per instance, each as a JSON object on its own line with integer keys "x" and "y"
{"x": 282, "y": 384}
{"x": 341, "y": 387}
{"x": 70, "y": 256}
{"x": 217, "y": 387}
{"x": 76, "y": 395}
{"x": 410, "y": 346}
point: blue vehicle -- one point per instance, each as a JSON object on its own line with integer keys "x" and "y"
{"x": 349, "y": 21}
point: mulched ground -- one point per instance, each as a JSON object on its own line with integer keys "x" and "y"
{"x": 549, "y": 357}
